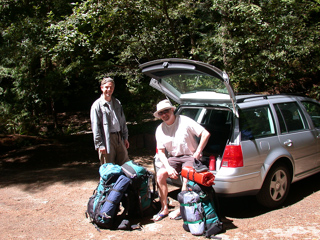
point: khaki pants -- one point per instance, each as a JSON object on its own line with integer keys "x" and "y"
{"x": 118, "y": 152}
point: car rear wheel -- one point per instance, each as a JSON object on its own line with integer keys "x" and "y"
{"x": 275, "y": 187}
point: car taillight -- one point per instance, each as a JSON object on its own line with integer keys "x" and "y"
{"x": 232, "y": 156}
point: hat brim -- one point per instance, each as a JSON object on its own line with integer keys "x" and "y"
{"x": 156, "y": 113}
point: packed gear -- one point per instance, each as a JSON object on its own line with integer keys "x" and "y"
{"x": 122, "y": 189}
{"x": 101, "y": 209}
{"x": 199, "y": 210}
{"x": 205, "y": 178}
{"x": 139, "y": 192}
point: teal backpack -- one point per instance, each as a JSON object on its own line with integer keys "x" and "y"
{"x": 205, "y": 219}
{"x": 101, "y": 209}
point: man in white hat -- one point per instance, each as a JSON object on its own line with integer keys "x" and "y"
{"x": 176, "y": 135}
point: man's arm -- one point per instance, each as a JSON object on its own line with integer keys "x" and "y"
{"x": 204, "y": 137}
{"x": 96, "y": 129}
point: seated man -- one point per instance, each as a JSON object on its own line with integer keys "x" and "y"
{"x": 177, "y": 135}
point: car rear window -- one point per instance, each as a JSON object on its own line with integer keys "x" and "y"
{"x": 256, "y": 122}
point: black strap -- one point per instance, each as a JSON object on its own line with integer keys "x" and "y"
{"x": 129, "y": 170}
{"x": 113, "y": 189}
{"x": 188, "y": 177}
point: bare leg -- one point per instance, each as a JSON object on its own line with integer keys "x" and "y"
{"x": 184, "y": 184}
{"x": 176, "y": 213}
{"x": 162, "y": 176}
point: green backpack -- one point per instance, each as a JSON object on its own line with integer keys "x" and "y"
{"x": 139, "y": 192}
{"x": 213, "y": 225}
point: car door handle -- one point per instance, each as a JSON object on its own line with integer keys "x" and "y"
{"x": 288, "y": 143}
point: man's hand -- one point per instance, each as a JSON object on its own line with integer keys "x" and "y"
{"x": 204, "y": 137}
{"x": 103, "y": 150}
{"x": 197, "y": 155}
{"x": 172, "y": 173}
{"x": 126, "y": 143}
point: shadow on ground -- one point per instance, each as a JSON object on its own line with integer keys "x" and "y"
{"x": 42, "y": 162}
{"x": 248, "y": 207}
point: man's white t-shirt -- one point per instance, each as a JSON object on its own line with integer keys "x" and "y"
{"x": 179, "y": 138}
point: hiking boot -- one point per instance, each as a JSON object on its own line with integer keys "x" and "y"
{"x": 199, "y": 166}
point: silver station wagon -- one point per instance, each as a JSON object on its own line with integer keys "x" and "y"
{"x": 261, "y": 143}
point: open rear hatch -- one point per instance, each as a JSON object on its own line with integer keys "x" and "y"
{"x": 188, "y": 81}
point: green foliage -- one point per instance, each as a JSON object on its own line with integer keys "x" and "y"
{"x": 53, "y": 53}
{"x": 269, "y": 45}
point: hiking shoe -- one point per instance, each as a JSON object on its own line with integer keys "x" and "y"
{"x": 125, "y": 225}
{"x": 199, "y": 166}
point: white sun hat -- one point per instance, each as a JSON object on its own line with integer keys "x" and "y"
{"x": 163, "y": 105}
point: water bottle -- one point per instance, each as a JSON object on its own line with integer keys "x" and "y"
{"x": 212, "y": 163}
{"x": 218, "y": 163}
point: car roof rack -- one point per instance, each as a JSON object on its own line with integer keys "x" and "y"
{"x": 242, "y": 97}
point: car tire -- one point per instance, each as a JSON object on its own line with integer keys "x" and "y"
{"x": 275, "y": 188}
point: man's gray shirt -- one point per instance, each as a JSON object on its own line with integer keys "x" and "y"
{"x": 100, "y": 116}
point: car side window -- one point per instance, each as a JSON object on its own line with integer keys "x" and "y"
{"x": 313, "y": 110}
{"x": 256, "y": 122}
{"x": 290, "y": 117}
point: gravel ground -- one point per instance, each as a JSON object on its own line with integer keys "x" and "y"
{"x": 47, "y": 200}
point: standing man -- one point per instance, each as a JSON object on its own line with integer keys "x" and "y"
{"x": 108, "y": 123}
{"x": 176, "y": 135}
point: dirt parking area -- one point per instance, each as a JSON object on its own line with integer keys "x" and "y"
{"x": 45, "y": 187}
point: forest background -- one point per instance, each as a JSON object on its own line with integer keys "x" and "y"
{"x": 54, "y": 52}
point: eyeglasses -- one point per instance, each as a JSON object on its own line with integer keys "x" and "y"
{"x": 163, "y": 112}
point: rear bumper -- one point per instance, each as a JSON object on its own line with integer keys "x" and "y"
{"x": 231, "y": 181}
